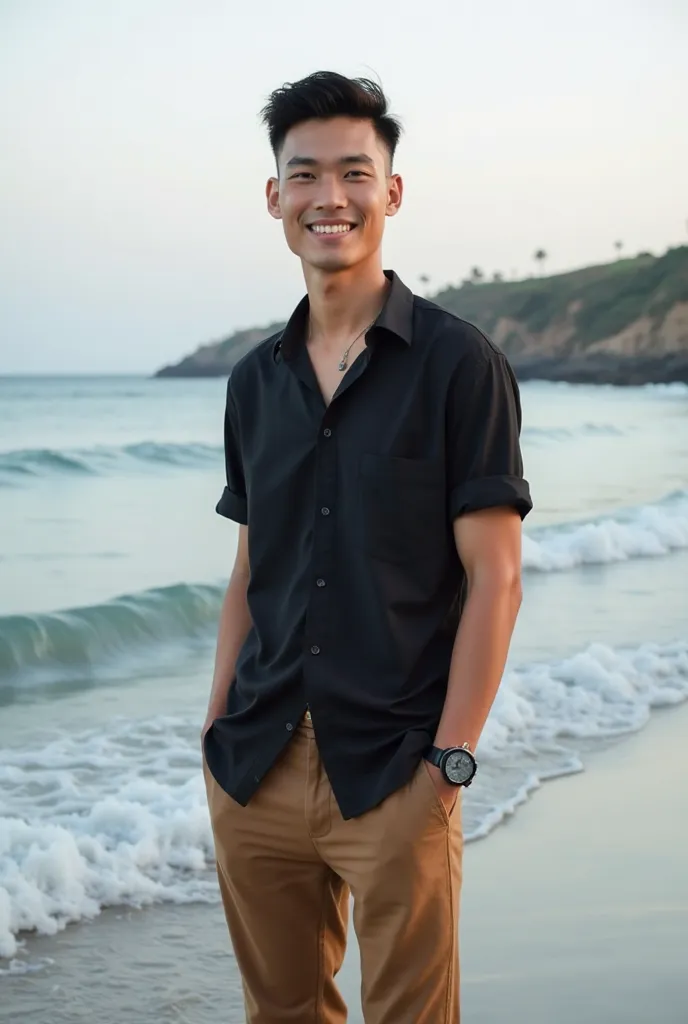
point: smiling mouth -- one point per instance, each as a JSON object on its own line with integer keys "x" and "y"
{"x": 331, "y": 229}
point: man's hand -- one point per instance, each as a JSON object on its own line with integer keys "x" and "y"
{"x": 447, "y": 793}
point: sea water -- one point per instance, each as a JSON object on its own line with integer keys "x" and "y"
{"x": 113, "y": 565}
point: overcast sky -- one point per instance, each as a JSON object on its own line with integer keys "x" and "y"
{"x": 134, "y": 163}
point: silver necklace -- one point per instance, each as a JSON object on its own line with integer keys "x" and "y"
{"x": 344, "y": 361}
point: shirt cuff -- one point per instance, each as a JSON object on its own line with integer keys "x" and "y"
{"x": 491, "y": 492}
{"x": 233, "y": 506}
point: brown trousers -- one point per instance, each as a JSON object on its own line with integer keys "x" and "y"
{"x": 286, "y": 864}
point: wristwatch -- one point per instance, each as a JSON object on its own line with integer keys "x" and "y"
{"x": 457, "y": 764}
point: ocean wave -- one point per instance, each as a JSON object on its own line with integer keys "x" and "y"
{"x": 26, "y": 463}
{"x": 57, "y": 647}
{"x": 645, "y": 531}
{"x": 544, "y": 435}
{"x": 117, "y": 815}
{"x": 676, "y": 387}
{"x": 76, "y": 647}
{"x": 671, "y": 389}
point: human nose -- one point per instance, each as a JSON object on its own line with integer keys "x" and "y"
{"x": 331, "y": 193}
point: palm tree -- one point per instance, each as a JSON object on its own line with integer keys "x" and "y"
{"x": 424, "y": 280}
{"x": 618, "y": 246}
{"x": 497, "y": 276}
{"x": 476, "y": 275}
{"x": 540, "y": 257}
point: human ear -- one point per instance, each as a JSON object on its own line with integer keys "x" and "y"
{"x": 395, "y": 192}
{"x": 272, "y": 196}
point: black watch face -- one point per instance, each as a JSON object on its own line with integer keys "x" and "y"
{"x": 459, "y": 767}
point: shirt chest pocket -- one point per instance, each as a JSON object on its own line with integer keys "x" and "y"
{"x": 403, "y": 509}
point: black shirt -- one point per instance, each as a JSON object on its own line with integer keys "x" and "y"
{"x": 356, "y": 588}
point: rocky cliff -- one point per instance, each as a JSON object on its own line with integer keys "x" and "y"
{"x": 620, "y": 323}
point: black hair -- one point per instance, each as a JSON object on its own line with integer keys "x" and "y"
{"x": 326, "y": 94}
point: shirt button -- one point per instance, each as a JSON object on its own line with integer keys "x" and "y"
{"x": 327, "y": 432}
{"x": 325, "y": 511}
{"x": 320, "y": 583}
{"x": 315, "y": 649}
{"x": 289, "y": 727}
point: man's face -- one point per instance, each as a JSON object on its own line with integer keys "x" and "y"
{"x": 333, "y": 192}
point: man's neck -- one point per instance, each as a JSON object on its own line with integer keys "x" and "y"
{"x": 344, "y": 303}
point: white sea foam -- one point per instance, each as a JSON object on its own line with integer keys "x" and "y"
{"x": 17, "y": 966}
{"x": 645, "y": 531}
{"x": 114, "y": 816}
{"x": 117, "y": 815}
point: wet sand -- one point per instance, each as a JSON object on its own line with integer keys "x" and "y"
{"x": 574, "y": 910}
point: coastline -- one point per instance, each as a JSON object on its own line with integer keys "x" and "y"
{"x": 576, "y": 908}
{"x": 621, "y": 371}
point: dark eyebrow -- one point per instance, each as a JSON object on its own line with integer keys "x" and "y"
{"x": 309, "y": 161}
{"x": 302, "y": 161}
{"x": 358, "y": 158}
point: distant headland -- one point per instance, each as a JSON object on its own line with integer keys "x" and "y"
{"x": 624, "y": 322}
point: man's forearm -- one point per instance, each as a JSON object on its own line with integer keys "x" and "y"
{"x": 478, "y": 659}
{"x": 234, "y": 626}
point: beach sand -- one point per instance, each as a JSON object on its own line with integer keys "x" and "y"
{"x": 575, "y": 910}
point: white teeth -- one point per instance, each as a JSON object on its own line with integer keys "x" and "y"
{"x": 330, "y": 229}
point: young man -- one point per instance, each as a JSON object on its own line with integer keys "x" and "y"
{"x": 373, "y": 464}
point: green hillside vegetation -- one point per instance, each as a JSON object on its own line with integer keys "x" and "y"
{"x": 611, "y": 296}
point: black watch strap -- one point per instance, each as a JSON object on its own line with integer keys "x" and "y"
{"x": 434, "y": 756}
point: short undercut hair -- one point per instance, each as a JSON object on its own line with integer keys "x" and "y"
{"x": 324, "y": 95}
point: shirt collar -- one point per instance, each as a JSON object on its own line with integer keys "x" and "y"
{"x": 396, "y": 316}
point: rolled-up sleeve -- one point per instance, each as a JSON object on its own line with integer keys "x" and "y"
{"x": 485, "y": 466}
{"x": 233, "y": 504}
